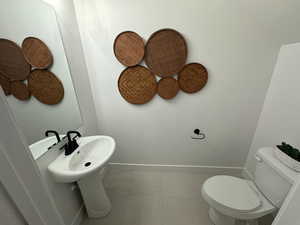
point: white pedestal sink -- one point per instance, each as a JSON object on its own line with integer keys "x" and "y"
{"x": 83, "y": 166}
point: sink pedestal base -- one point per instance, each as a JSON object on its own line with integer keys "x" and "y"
{"x": 94, "y": 195}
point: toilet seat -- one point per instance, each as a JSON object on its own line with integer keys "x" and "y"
{"x": 235, "y": 197}
{"x": 232, "y": 192}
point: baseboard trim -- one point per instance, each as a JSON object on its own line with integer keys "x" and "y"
{"x": 189, "y": 168}
{"x": 79, "y": 216}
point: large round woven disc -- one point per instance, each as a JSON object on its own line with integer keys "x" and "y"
{"x": 192, "y": 77}
{"x": 167, "y": 87}
{"x": 129, "y": 48}
{"x": 45, "y": 86}
{"x": 5, "y": 84}
{"x": 37, "y": 53}
{"x": 166, "y": 52}
{"x": 20, "y": 90}
{"x": 12, "y": 62}
{"x": 137, "y": 85}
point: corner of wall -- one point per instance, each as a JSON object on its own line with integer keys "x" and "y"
{"x": 248, "y": 171}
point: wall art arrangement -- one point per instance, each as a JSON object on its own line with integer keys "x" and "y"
{"x": 165, "y": 55}
{"x": 24, "y": 71}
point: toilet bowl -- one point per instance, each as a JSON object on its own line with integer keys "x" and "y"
{"x": 236, "y": 201}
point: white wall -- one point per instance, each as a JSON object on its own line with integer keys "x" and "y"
{"x": 279, "y": 120}
{"x": 9, "y": 213}
{"x": 236, "y": 40}
{"x": 18, "y": 20}
{"x": 289, "y": 212}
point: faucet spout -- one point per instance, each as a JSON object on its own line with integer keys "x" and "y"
{"x": 53, "y": 132}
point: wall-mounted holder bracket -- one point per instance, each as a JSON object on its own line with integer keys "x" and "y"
{"x": 200, "y": 136}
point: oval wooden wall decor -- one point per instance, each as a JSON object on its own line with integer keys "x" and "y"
{"x": 12, "y": 62}
{"x": 45, "y": 86}
{"x": 37, "y": 53}
{"x": 192, "y": 77}
{"x": 137, "y": 85}
{"x": 168, "y": 87}
{"x": 166, "y": 52}
{"x": 129, "y": 48}
{"x": 20, "y": 90}
{"x": 5, "y": 84}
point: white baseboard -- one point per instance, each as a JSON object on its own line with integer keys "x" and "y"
{"x": 80, "y": 215}
{"x": 182, "y": 168}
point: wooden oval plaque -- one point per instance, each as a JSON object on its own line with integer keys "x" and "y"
{"x": 166, "y": 52}
{"x": 137, "y": 85}
{"x": 192, "y": 77}
{"x": 12, "y": 62}
{"x": 168, "y": 87}
{"x": 37, "y": 53}
{"x": 20, "y": 90}
{"x": 129, "y": 48}
{"x": 46, "y": 87}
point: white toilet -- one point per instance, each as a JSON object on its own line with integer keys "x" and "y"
{"x": 236, "y": 201}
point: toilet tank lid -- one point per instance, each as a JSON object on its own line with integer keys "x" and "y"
{"x": 267, "y": 154}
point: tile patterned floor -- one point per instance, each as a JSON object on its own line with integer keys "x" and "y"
{"x": 154, "y": 197}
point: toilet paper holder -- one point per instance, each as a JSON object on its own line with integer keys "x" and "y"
{"x": 200, "y": 136}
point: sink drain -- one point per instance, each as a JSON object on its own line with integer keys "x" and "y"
{"x": 87, "y": 164}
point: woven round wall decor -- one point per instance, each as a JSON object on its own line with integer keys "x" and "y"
{"x": 12, "y": 62}
{"x": 137, "y": 85}
{"x": 20, "y": 90}
{"x": 166, "y": 52}
{"x": 5, "y": 84}
{"x": 192, "y": 77}
{"x": 37, "y": 53}
{"x": 129, "y": 48}
{"x": 45, "y": 86}
{"x": 167, "y": 87}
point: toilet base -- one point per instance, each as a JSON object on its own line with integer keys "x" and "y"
{"x": 219, "y": 219}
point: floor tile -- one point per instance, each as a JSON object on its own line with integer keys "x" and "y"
{"x": 187, "y": 185}
{"x": 191, "y": 211}
{"x": 134, "y": 183}
{"x": 143, "y": 196}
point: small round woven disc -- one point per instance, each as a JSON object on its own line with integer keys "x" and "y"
{"x": 167, "y": 87}
{"x": 12, "y": 62}
{"x": 20, "y": 90}
{"x": 46, "y": 87}
{"x": 129, "y": 48}
{"x": 37, "y": 53}
{"x": 166, "y": 52}
{"x": 5, "y": 84}
{"x": 192, "y": 77}
{"x": 137, "y": 85}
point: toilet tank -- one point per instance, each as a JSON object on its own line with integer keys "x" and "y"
{"x": 272, "y": 177}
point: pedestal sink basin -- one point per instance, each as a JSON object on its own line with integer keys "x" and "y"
{"x": 83, "y": 166}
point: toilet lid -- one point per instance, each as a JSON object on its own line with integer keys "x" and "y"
{"x": 232, "y": 192}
